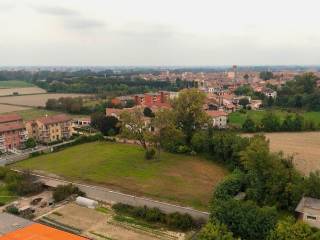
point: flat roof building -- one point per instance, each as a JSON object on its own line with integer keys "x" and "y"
{"x": 16, "y": 228}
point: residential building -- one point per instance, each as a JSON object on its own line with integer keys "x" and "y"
{"x": 308, "y": 211}
{"x": 122, "y": 100}
{"x": 219, "y": 118}
{"x": 269, "y": 92}
{"x": 50, "y": 128}
{"x": 12, "y": 132}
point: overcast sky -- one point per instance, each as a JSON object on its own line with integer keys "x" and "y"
{"x": 159, "y": 32}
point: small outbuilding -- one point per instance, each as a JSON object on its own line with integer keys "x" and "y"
{"x": 308, "y": 211}
{"x": 86, "y": 202}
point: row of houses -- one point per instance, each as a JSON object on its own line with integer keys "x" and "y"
{"x": 161, "y": 98}
{"x": 14, "y": 132}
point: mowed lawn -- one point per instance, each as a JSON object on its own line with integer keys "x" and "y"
{"x": 237, "y": 118}
{"x": 186, "y": 180}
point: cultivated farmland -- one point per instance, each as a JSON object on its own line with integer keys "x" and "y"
{"x": 21, "y": 91}
{"x": 305, "y": 146}
{"x": 8, "y": 108}
{"x": 38, "y": 100}
{"x": 187, "y": 180}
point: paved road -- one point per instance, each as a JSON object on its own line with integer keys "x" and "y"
{"x": 110, "y": 196}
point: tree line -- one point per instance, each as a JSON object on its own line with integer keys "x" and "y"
{"x": 271, "y": 122}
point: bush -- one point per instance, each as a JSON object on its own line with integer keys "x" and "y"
{"x": 12, "y": 209}
{"x": 64, "y": 191}
{"x": 179, "y": 221}
{"x": 150, "y": 153}
{"x": 183, "y": 149}
{"x": 230, "y": 186}
{"x": 173, "y": 221}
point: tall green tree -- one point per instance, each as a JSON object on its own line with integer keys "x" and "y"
{"x": 190, "y": 115}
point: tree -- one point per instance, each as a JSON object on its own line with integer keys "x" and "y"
{"x": 189, "y": 112}
{"x": 215, "y": 231}
{"x": 30, "y": 143}
{"x": 244, "y": 102}
{"x": 246, "y": 77}
{"x": 105, "y": 124}
{"x": 244, "y": 218}
{"x": 134, "y": 127}
{"x": 249, "y": 125}
{"x": 312, "y": 185}
{"x": 271, "y": 178}
{"x": 288, "y": 228}
{"x": 266, "y": 75}
{"x": 147, "y": 112}
{"x": 270, "y": 122}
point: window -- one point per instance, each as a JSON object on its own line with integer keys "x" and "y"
{"x": 311, "y": 217}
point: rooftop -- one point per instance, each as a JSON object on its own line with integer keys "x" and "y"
{"x": 10, "y": 118}
{"x": 308, "y": 203}
{"x": 11, "y": 127}
{"x": 54, "y": 119}
{"x": 10, "y": 223}
{"x": 216, "y": 113}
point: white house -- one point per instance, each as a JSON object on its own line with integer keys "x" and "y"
{"x": 269, "y": 93}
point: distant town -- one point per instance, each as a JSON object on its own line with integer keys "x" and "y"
{"x": 138, "y": 153}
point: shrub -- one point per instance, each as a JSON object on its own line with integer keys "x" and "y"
{"x": 183, "y": 149}
{"x": 12, "y": 209}
{"x": 64, "y": 191}
{"x": 174, "y": 220}
{"x": 179, "y": 221}
{"x": 150, "y": 153}
{"x": 230, "y": 186}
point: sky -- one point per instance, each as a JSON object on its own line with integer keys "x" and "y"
{"x": 162, "y": 32}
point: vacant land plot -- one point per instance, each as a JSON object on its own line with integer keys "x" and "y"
{"x": 237, "y": 118}
{"x": 38, "y": 100}
{"x": 21, "y": 91}
{"x": 304, "y": 146}
{"x": 101, "y": 225}
{"x": 15, "y": 84}
{"x": 187, "y": 180}
{"x": 9, "y": 108}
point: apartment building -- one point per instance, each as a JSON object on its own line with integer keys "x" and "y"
{"x": 50, "y": 128}
{"x": 12, "y": 132}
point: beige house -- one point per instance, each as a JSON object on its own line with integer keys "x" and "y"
{"x": 219, "y": 118}
{"x": 50, "y": 128}
{"x": 309, "y": 211}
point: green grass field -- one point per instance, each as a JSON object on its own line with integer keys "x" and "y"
{"x": 237, "y": 118}
{"x": 186, "y": 180}
{"x": 5, "y": 195}
{"x": 15, "y": 84}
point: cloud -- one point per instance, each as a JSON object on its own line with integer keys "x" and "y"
{"x": 70, "y": 18}
{"x": 84, "y": 23}
{"x": 55, "y": 10}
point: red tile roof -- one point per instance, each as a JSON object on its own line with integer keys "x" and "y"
{"x": 10, "y": 127}
{"x": 10, "y": 118}
{"x": 216, "y": 113}
{"x": 54, "y": 119}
